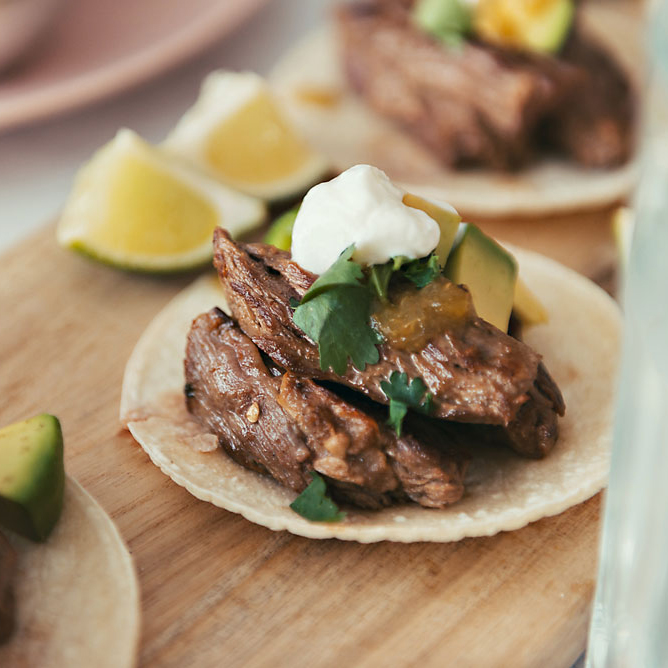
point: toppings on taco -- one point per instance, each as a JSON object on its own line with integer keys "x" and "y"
{"x": 417, "y": 345}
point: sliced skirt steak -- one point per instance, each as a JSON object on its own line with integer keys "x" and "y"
{"x": 476, "y": 373}
{"x": 279, "y": 424}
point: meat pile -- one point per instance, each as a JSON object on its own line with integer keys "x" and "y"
{"x": 255, "y": 381}
{"x": 482, "y": 105}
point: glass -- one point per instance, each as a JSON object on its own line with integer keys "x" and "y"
{"x": 630, "y": 618}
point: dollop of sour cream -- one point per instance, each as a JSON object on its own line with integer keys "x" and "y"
{"x": 361, "y": 206}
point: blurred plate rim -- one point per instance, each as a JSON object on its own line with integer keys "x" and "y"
{"x": 70, "y": 93}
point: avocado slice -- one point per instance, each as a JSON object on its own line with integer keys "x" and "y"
{"x": 550, "y": 31}
{"x": 32, "y": 476}
{"x": 536, "y": 25}
{"x": 547, "y": 31}
{"x": 488, "y": 271}
{"x": 446, "y": 20}
{"x": 279, "y": 233}
{"x": 447, "y": 220}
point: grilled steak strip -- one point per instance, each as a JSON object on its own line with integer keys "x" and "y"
{"x": 476, "y": 374}
{"x": 7, "y": 568}
{"x": 481, "y": 104}
{"x": 276, "y": 423}
{"x": 594, "y": 122}
{"x": 472, "y": 105}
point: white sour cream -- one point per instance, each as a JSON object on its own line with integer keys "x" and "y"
{"x": 361, "y": 206}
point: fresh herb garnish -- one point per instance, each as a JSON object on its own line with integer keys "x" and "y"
{"x": 404, "y": 395}
{"x": 344, "y": 272}
{"x": 380, "y": 275}
{"x": 379, "y": 279}
{"x": 449, "y": 21}
{"x": 314, "y": 503}
{"x": 423, "y": 271}
{"x": 335, "y": 312}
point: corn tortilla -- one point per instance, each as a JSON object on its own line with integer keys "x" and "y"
{"x": 77, "y": 598}
{"x": 580, "y": 346}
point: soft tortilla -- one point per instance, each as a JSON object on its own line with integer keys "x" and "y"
{"x": 503, "y": 491}
{"x": 349, "y": 133}
{"x": 77, "y": 596}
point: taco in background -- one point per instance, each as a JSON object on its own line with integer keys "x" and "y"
{"x": 393, "y": 122}
{"x": 76, "y": 597}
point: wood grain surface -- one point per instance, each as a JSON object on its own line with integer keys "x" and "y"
{"x": 220, "y": 591}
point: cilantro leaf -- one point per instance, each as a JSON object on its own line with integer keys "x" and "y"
{"x": 404, "y": 395}
{"x": 314, "y": 504}
{"x": 398, "y": 411}
{"x": 379, "y": 279}
{"x": 338, "y": 321}
{"x": 343, "y": 272}
{"x": 422, "y": 271}
{"x": 335, "y": 313}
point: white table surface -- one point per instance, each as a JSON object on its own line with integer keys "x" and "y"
{"x": 38, "y": 162}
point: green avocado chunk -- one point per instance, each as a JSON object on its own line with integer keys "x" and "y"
{"x": 447, "y": 221}
{"x": 549, "y": 30}
{"x": 488, "y": 271}
{"x": 446, "y": 20}
{"x": 32, "y": 476}
{"x": 280, "y": 232}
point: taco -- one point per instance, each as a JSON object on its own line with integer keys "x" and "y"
{"x": 76, "y": 597}
{"x": 483, "y": 448}
{"x": 493, "y": 130}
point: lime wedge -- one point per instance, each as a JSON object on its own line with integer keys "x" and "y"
{"x": 134, "y": 207}
{"x": 236, "y": 132}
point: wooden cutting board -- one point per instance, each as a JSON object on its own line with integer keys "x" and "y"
{"x": 220, "y": 591}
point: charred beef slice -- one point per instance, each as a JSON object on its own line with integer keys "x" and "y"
{"x": 276, "y": 423}
{"x": 475, "y": 373}
{"x": 7, "y": 569}
{"x": 594, "y": 122}
{"x": 479, "y": 104}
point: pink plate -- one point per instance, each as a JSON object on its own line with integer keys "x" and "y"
{"x": 99, "y": 47}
